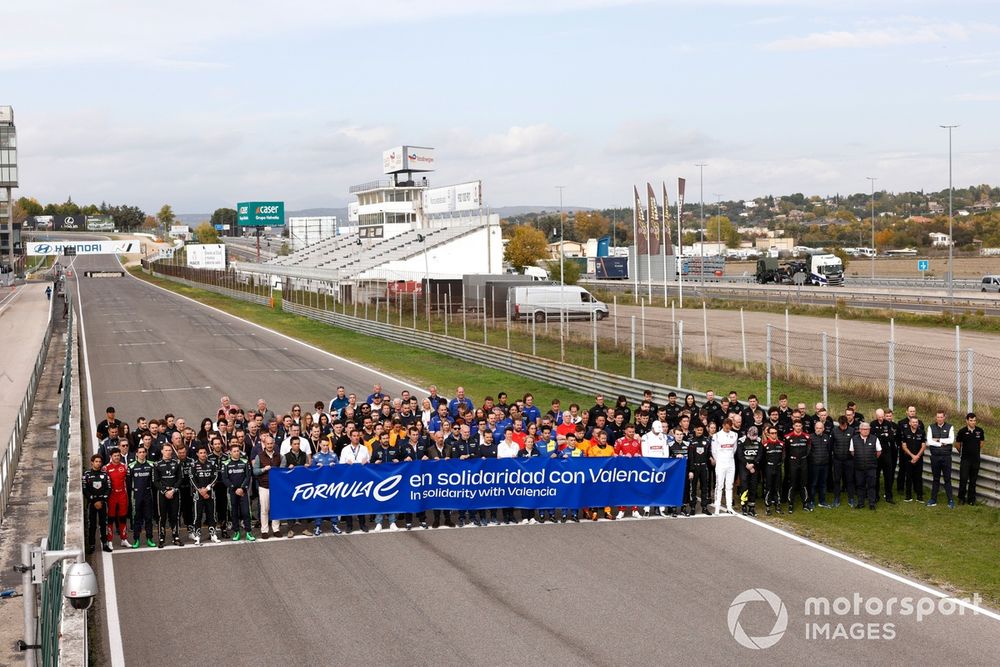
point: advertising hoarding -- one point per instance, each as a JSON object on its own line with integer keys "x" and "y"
{"x": 45, "y": 248}
{"x": 100, "y": 223}
{"x": 461, "y": 197}
{"x": 407, "y": 158}
{"x": 352, "y": 212}
{"x": 260, "y": 214}
{"x": 206, "y": 256}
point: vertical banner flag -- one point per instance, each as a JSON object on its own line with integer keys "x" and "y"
{"x": 654, "y": 221}
{"x": 642, "y": 229}
{"x": 680, "y": 211}
{"x": 668, "y": 245}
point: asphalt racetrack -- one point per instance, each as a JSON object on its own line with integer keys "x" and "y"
{"x": 633, "y": 591}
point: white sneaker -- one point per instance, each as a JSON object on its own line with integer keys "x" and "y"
{"x": 197, "y": 540}
{"x": 393, "y": 527}
{"x": 532, "y": 522}
{"x": 523, "y": 521}
{"x": 731, "y": 511}
{"x": 215, "y": 538}
{"x": 378, "y": 528}
{"x": 621, "y": 514}
{"x": 635, "y": 514}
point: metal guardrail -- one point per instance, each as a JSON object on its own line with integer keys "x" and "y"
{"x": 224, "y": 291}
{"x": 51, "y": 607}
{"x": 582, "y": 379}
{"x": 12, "y": 453}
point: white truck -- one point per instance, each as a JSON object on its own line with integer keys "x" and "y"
{"x": 552, "y": 301}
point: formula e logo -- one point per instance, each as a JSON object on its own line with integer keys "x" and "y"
{"x": 777, "y": 608}
{"x": 383, "y": 491}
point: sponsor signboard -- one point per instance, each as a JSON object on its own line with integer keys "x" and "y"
{"x": 371, "y": 232}
{"x": 260, "y": 214}
{"x": 407, "y": 158}
{"x": 6, "y": 114}
{"x": 100, "y": 223}
{"x": 206, "y": 256}
{"x": 70, "y": 223}
{"x": 352, "y": 212}
{"x": 45, "y": 248}
{"x": 452, "y": 198}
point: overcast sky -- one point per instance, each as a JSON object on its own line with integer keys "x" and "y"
{"x": 201, "y": 104}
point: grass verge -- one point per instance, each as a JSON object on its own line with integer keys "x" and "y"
{"x": 954, "y": 550}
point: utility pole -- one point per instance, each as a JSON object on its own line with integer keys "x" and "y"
{"x": 701, "y": 178}
{"x": 562, "y": 275}
{"x": 951, "y": 233}
{"x": 873, "y": 179}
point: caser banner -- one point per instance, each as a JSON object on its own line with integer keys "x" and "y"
{"x": 538, "y": 483}
{"x": 41, "y": 248}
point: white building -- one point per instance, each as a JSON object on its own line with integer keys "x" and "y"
{"x": 939, "y": 240}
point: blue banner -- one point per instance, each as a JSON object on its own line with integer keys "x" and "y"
{"x": 538, "y": 483}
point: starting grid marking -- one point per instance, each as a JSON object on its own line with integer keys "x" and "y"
{"x": 142, "y": 363}
{"x": 416, "y": 530}
{"x": 155, "y": 391}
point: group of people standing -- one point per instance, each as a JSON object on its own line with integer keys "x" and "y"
{"x": 164, "y": 472}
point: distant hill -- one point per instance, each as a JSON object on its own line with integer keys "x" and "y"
{"x": 508, "y": 211}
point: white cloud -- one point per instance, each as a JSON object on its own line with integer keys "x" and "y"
{"x": 867, "y": 38}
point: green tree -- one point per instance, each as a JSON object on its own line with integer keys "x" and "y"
{"x": 30, "y": 206}
{"x": 205, "y": 233}
{"x": 166, "y": 217}
{"x": 525, "y": 247}
{"x": 591, "y": 225}
{"x": 127, "y": 218}
{"x": 224, "y": 216}
{"x": 570, "y": 270}
{"x": 717, "y": 224}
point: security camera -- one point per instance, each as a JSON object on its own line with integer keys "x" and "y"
{"x": 80, "y": 585}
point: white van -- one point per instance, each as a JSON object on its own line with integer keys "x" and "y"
{"x": 548, "y": 301}
{"x": 991, "y": 284}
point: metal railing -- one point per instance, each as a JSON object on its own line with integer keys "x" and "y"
{"x": 12, "y": 452}
{"x": 51, "y": 607}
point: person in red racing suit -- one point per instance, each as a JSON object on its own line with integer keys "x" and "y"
{"x": 118, "y": 500}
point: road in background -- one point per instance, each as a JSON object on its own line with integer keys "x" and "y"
{"x": 582, "y": 594}
{"x": 24, "y": 312}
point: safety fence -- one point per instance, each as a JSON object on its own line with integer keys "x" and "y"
{"x": 220, "y": 282}
{"x": 404, "y": 322}
{"x": 12, "y": 452}
{"x": 52, "y": 599}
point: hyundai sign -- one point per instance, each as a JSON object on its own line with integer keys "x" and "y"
{"x": 260, "y": 214}
{"x": 45, "y": 248}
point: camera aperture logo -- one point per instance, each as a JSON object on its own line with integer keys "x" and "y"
{"x": 777, "y": 608}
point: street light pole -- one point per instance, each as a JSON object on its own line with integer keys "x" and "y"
{"x": 562, "y": 276}
{"x": 701, "y": 180}
{"x": 873, "y": 179}
{"x": 718, "y": 219}
{"x": 951, "y": 234}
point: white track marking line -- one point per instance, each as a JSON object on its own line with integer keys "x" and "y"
{"x": 873, "y": 568}
{"x": 156, "y": 391}
{"x": 141, "y": 363}
{"x": 107, "y": 564}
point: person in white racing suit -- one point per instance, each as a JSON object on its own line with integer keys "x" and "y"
{"x": 724, "y": 453}
{"x": 655, "y": 445}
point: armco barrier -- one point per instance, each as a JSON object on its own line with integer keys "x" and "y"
{"x": 12, "y": 452}
{"x": 236, "y": 294}
{"x": 586, "y": 380}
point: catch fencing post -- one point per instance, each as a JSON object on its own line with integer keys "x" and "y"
{"x": 768, "y": 353}
{"x": 743, "y": 337}
{"x": 533, "y": 352}
{"x": 507, "y": 318}
{"x": 484, "y": 321}
{"x": 445, "y": 313}
{"x": 958, "y": 369}
{"x": 788, "y": 352}
{"x": 642, "y": 325}
{"x": 366, "y": 307}
{"x": 355, "y": 299}
{"x": 414, "y": 310}
{"x": 377, "y": 302}
{"x": 836, "y": 346}
{"x": 465, "y": 333}
{"x": 616, "y": 320}
{"x": 826, "y": 374}
{"x": 969, "y": 379}
{"x": 704, "y": 323}
{"x": 593, "y": 326}
{"x": 892, "y": 360}
{"x": 680, "y": 351}
{"x": 632, "y": 355}
{"x": 399, "y": 297}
